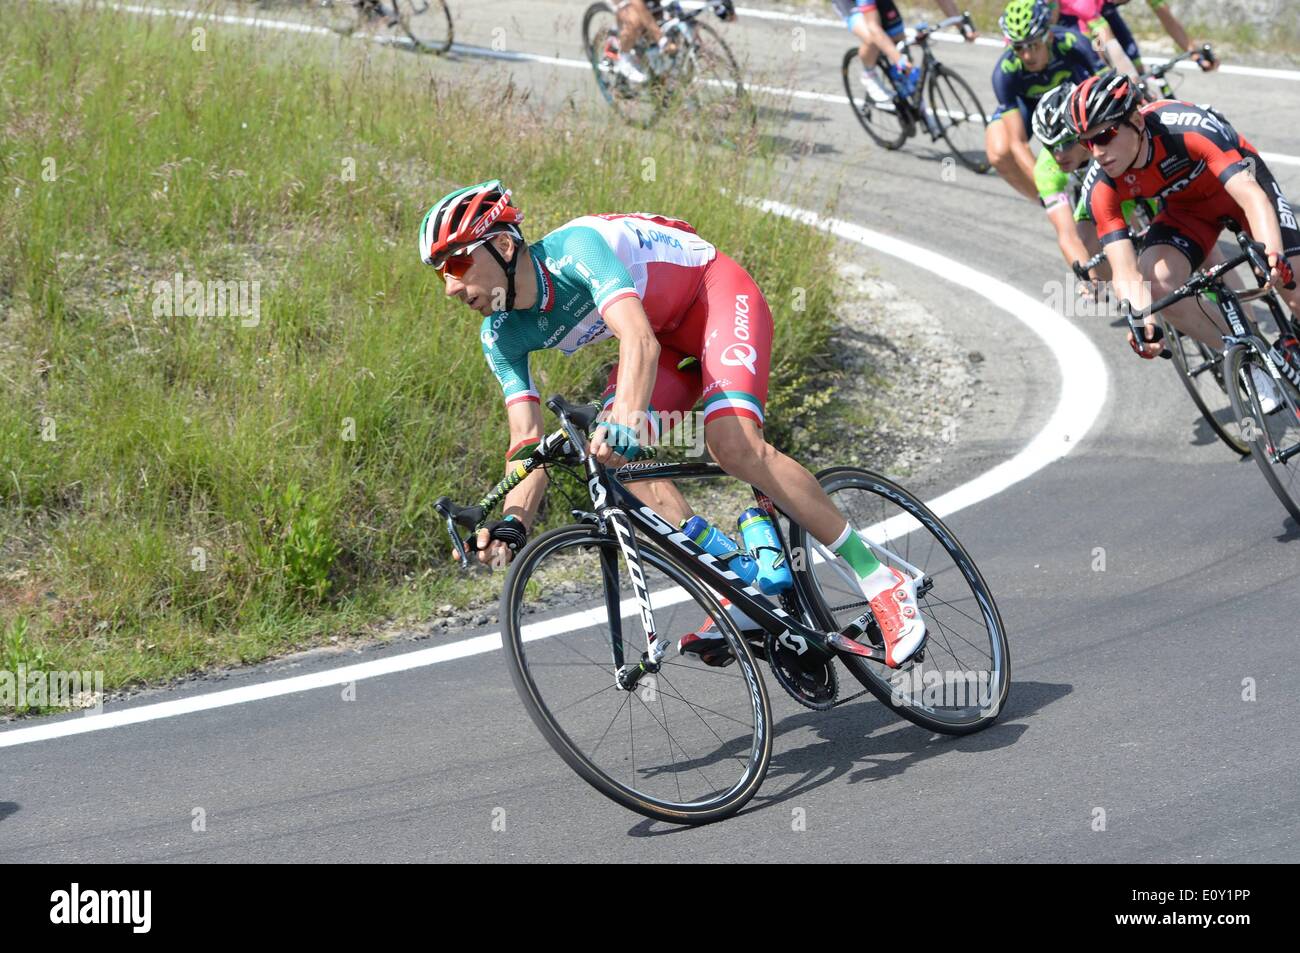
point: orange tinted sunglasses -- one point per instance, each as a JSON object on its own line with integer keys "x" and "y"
{"x": 458, "y": 263}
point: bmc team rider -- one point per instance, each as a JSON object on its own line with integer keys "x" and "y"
{"x": 667, "y": 295}
{"x": 878, "y": 24}
{"x": 1061, "y": 156}
{"x": 1041, "y": 58}
{"x": 1205, "y": 171}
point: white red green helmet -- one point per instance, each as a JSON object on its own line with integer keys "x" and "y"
{"x": 465, "y": 216}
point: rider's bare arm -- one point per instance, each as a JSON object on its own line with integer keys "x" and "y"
{"x": 638, "y": 358}
{"x": 1259, "y": 211}
{"x": 1067, "y": 233}
{"x": 1176, "y": 31}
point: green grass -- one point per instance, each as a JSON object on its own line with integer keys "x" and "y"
{"x": 179, "y": 492}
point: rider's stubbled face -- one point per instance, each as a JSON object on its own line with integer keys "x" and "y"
{"x": 482, "y": 287}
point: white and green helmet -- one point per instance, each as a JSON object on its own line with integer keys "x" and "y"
{"x": 1049, "y": 122}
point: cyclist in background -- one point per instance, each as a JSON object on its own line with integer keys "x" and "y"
{"x": 1208, "y": 174}
{"x": 637, "y": 20}
{"x": 1061, "y": 156}
{"x": 1041, "y": 58}
{"x": 1101, "y": 20}
{"x": 667, "y": 295}
{"x": 878, "y": 24}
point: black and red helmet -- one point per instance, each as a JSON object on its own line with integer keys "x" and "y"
{"x": 466, "y": 216}
{"x": 1100, "y": 101}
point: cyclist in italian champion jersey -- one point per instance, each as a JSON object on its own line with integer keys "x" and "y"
{"x": 878, "y": 24}
{"x": 667, "y": 295}
{"x": 1205, "y": 172}
{"x": 1041, "y": 58}
{"x": 1101, "y": 20}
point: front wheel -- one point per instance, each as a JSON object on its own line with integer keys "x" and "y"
{"x": 1270, "y": 435}
{"x": 962, "y": 683}
{"x": 1200, "y": 368}
{"x": 691, "y": 742}
{"x": 960, "y": 118}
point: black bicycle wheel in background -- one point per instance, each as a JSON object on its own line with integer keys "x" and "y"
{"x": 1200, "y": 368}
{"x": 709, "y": 81}
{"x": 635, "y": 104}
{"x": 427, "y": 23}
{"x": 883, "y": 123}
{"x": 691, "y": 743}
{"x": 961, "y": 685}
{"x": 1266, "y": 433}
{"x": 962, "y": 121}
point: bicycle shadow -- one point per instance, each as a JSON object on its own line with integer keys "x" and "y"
{"x": 1292, "y": 531}
{"x": 850, "y": 749}
{"x": 8, "y": 808}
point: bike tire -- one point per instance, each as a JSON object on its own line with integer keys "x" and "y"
{"x": 742, "y": 108}
{"x": 427, "y": 23}
{"x": 621, "y": 97}
{"x": 872, "y": 675}
{"x": 886, "y": 127}
{"x": 696, "y": 811}
{"x": 1179, "y": 345}
{"x": 1255, "y": 424}
{"x": 973, "y": 157}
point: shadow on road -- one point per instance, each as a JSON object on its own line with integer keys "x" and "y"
{"x": 849, "y": 748}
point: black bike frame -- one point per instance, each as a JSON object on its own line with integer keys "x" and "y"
{"x": 620, "y": 510}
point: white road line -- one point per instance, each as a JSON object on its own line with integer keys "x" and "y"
{"x": 1084, "y": 384}
{"x": 809, "y": 20}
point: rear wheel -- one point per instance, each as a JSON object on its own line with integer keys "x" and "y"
{"x": 962, "y": 121}
{"x": 1269, "y": 435}
{"x": 961, "y": 684}
{"x": 689, "y": 743}
{"x": 883, "y": 122}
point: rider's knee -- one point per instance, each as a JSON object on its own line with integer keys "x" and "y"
{"x": 737, "y": 448}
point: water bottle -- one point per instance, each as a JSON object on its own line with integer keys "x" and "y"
{"x": 759, "y": 537}
{"x": 721, "y": 546}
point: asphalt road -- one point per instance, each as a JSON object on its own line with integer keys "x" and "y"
{"x": 1128, "y": 683}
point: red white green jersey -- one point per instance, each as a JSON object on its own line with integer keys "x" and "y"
{"x": 582, "y": 268}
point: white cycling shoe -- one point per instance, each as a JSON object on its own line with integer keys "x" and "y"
{"x": 623, "y": 66}
{"x": 875, "y": 88}
{"x": 1266, "y": 390}
{"x": 896, "y": 613}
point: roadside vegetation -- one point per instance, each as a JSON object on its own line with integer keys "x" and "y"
{"x": 231, "y": 393}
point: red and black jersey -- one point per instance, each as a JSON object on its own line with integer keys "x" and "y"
{"x": 1194, "y": 152}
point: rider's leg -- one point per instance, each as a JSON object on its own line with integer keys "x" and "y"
{"x": 1007, "y": 146}
{"x": 738, "y": 446}
{"x": 865, "y": 25}
{"x": 1165, "y": 267}
{"x": 636, "y": 21}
